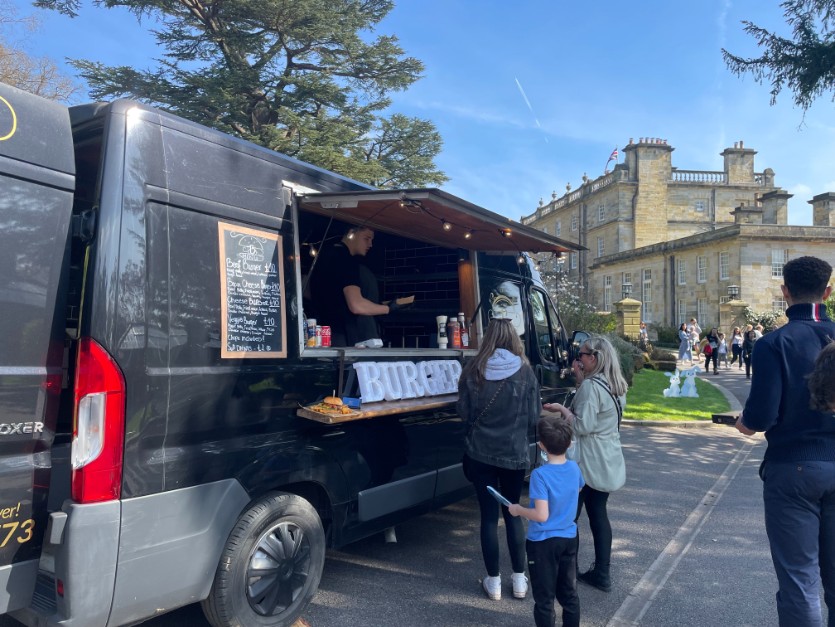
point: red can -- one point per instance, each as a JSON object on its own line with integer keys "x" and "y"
{"x": 326, "y": 336}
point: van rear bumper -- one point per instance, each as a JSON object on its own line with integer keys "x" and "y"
{"x": 17, "y": 583}
{"x": 127, "y": 560}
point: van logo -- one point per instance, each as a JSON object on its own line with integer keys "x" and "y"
{"x": 8, "y": 119}
{"x": 14, "y": 428}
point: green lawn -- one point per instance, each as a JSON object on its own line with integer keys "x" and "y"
{"x": 646, "y": 401}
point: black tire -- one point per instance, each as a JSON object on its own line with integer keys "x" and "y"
{"x": 270, "y": 567}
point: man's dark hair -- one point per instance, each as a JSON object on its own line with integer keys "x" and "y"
{"x": 555, "y": 434}
{"x": 822, "y": 380}
{"x": 806, "y": 278}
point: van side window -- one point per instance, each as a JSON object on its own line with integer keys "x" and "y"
{"x": 542, "y": 325}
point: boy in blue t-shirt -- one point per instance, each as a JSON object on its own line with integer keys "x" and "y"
{"x": 552, "y": 533}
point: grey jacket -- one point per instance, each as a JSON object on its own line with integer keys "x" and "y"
{"x": 502, "y": 435}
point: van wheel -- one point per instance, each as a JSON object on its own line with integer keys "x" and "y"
{"x": 270, "y": 567}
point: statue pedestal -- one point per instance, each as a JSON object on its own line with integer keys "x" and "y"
{"x": 628, "y": 315}
{"x": 732, "y": 314}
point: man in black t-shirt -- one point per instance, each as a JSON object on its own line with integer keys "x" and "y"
{"x": 342, "y": 291}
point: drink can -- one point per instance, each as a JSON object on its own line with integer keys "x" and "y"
{"x": 326, "y": 336}
{"x": 310, "y": 340}
{"x": 318, "y": 336}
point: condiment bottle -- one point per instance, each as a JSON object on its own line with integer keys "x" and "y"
{"x": 465, "y": 332}
{"x": 454, "y": 332}
{"x": 442, "y": 337}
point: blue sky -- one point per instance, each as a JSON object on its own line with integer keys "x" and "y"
{"x": 593, "y": 74}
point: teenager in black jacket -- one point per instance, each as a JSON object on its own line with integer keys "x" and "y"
{"x": 498, "y": 398}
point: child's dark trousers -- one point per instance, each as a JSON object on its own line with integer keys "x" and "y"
{"x": 552, "y": 564}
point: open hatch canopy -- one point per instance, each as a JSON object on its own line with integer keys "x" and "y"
{"x": 436, "y": 217}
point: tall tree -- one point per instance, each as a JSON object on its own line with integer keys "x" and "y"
{"x": 37, "y": 75}
{"x": 804, "y": 64}
{"x": 304, "y": 77}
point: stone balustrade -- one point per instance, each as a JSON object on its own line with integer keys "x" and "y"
{"x": 698, "y": 176}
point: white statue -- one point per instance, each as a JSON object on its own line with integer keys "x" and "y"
{"x": 688, "y": 388}
{"x": 673, "y": 391}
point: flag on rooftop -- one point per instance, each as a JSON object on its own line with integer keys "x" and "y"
{"x": 614, "y": 155}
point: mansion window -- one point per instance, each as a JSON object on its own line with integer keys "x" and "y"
{"x": 724, "y": 266}
{"x": 601, "y": 247}
{"x": 682, "y": 311}
{"x": 558, "y": 228}
{"x": 779, "y": 257}
{"x": 573, "y": 261}
{"x": 778, "y": 304}
{"x": 682, "y": 272}
{"x": 607, "y": 292}
{"x": 699, "y": 205}
{"x": 574, "y": 222}
{"x": 701, "y": 269}
{"x": 701, "y": 310}
{"x": 646, "y": 296}
{"x": 601, "y": 213}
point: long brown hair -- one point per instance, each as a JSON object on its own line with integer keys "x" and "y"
{"x": 500, "y": 334}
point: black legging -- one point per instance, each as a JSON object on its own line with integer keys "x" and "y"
{"x": 509, "y": 483}
{"x": 714, "y": 355}
{"x": 601, "y": 528}
{"x": 747, "y": 358}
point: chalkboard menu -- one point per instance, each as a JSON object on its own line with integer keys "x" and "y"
{"x": 252, "y": 293}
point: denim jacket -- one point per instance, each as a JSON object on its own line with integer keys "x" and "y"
{"x": 502, "y": 435}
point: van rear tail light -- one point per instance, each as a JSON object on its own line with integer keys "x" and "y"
{"x": 99, "y": 426}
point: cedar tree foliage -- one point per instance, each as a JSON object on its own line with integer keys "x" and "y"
{"x": 804, "y": 64}
{"x": 308, "y": 78}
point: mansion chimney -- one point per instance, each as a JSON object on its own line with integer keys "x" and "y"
{"x": 650, "y": 165}
{"x": 775, "y": 207}
{"x": 739, "y": 164}
{"x": 823, "y": 209}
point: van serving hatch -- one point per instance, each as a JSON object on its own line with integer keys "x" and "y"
{"x": 435, "y": 217}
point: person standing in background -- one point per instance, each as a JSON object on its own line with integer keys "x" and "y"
{"x": 498, "y": 398}
{"x": 722, "y": 351}
{"x": 711, "y": 350}
{"x": 736, "y": 347}
{"x": 798, "y": 468}
{"x": 695, "y": 333}
{"x": 685, "y": 347}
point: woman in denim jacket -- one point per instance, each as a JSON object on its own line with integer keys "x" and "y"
{"x": 498, "y": 398}
{"x": 595, "y": 415}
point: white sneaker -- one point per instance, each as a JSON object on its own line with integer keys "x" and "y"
{"x": 373, "y": 343}
{"x": 520, "y": 585}
{"x": 492, "y": 587}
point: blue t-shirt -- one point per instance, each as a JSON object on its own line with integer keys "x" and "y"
{"x": 560, "y": 485}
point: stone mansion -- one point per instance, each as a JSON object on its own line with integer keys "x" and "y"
{"x": 678, "y": 238}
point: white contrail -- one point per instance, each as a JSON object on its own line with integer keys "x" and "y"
{"x": 528, "y": 102}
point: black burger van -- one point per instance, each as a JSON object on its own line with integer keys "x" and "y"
{"x": 159, "y": 443}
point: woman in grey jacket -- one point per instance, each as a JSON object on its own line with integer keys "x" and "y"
{"x": 595, "y": 415}
{"x": 498, "y": 398}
